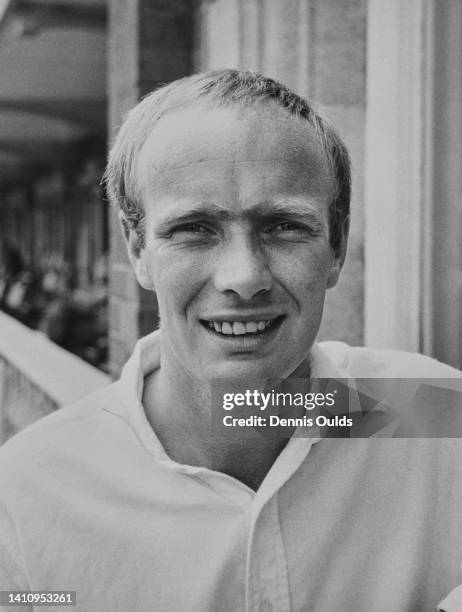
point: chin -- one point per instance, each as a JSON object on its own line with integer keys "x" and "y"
{"x": 258, "y": 369}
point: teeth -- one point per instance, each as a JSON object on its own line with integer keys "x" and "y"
{"x": 226, "y": 328}
{"x": 239, "y": 328}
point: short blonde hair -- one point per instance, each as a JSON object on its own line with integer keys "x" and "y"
{"x": 223, "y": 88}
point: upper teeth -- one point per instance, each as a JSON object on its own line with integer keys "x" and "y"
{"x": 238, "y": 328}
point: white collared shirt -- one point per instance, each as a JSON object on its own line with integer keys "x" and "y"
{"x": 91, "y": 502}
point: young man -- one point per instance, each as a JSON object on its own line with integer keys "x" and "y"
{"x": 234, "y": 200}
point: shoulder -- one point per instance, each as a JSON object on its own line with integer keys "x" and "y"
{"x": 57, "y": 435}
{"x": 40, "y": 470}
{"x": 362, "y": 362}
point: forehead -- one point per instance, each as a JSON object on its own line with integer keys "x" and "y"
{"x": 232, "y": 153}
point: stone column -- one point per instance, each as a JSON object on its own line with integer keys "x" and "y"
{"x": 150, "y": 42}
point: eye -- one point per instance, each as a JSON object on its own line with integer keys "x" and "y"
{"x": 191, "y": 228}
{"x": 283, "y": 230}
{"x": 194, "y": 233}
{"x": 288, "y": 226}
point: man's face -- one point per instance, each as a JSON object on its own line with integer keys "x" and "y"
{"x": 237, "y": 240}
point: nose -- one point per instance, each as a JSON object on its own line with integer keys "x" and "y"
{"x": 242, "y": 267}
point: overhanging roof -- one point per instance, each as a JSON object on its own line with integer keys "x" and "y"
{"x": 52, "y": 80}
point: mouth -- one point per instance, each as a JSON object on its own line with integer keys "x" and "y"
{"x": 242, "y": 329}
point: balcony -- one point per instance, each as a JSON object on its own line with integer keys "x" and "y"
{"x": 37, "y": 377}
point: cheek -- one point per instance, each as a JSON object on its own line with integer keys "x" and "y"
{"x": 177, "y": 279}
{"x": 303, "y": 271}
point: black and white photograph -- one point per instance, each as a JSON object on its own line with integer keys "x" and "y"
{"x": 231, "y": 305}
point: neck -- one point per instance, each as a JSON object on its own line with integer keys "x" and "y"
{"x": 179, "y": 409}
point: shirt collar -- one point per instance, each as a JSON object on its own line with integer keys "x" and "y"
{"x": 146, "y": 359}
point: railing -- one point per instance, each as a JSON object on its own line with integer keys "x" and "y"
{"x": 37, "y": 376}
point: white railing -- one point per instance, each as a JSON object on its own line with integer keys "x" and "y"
{"x": 37, "y": 376}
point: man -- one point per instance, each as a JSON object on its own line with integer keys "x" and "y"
{"x": 234, "y": 201}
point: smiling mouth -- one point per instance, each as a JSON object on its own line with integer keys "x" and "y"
{"x": 231, "y": 329}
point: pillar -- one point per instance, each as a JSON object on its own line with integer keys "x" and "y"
{"x": 150, "y": 42}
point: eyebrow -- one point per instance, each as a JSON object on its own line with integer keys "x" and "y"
{"x": 189, "y": 211}
{"x": 293, "y": 207}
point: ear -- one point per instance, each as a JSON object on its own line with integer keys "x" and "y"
{"x": 339, "y": 256}
{"x": 136, "y": 254}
